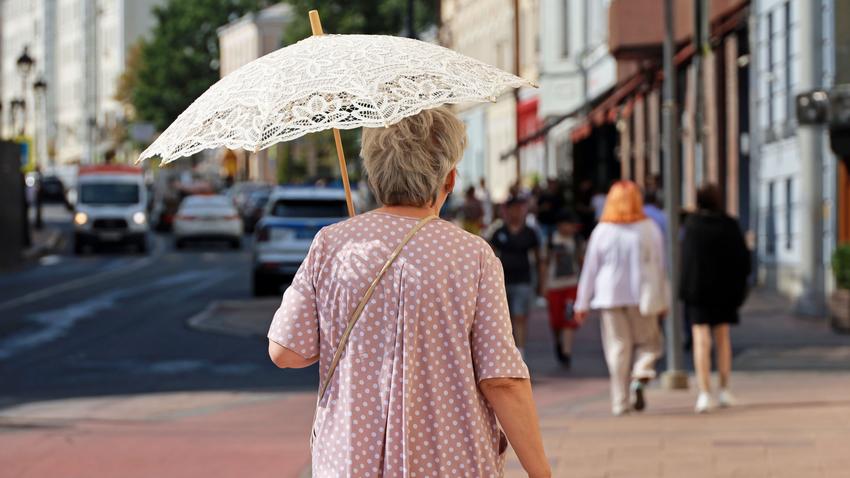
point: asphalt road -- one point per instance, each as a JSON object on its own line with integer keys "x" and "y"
{"x": 115, "y": 323}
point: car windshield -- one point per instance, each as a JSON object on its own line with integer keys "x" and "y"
{"x": 207, "y": 202}
{"x": 109, "y": 193}
{"x": 309, "y": 208}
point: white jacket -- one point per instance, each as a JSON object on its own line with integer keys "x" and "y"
{"x": 612, "y": 271}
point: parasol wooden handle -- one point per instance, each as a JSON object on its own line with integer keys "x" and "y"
{"x": 316, "y": 25}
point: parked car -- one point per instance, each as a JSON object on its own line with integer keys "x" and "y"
{"x": 111, "y": 207}
{"x": 254, "y": 208}
{"x": 210, "y": 217}
{"x": 53, "y": 190}
{"x": 292, "y": 218}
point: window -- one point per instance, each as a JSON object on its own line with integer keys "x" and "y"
{"x": 789, "y": 36}
{"x": 788, "y": 213}
{"x": 771, "y": 78}
{"x": 770, "y": 221}
{"x": 565, "y": 29}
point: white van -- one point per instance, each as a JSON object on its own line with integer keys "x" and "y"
{"x": 110, "y": 207}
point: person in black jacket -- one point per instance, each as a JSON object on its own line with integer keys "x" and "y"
{"x": 715, "y": 267}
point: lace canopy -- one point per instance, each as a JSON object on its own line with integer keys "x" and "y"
{"x": 323, "y": 82}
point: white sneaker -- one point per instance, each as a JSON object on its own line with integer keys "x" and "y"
{"x": 704, "y": 403}
{"x": 726, "y": 399}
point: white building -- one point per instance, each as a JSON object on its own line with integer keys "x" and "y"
{"x": 242, "y": 41}
{"x": 492, "y": 127}
{"x": 79, "y": 48}
{"x": 575, "y": 69}
{"x": 792, "y": 240}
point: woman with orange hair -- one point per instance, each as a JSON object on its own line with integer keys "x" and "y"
{"x": 622, "y": 277}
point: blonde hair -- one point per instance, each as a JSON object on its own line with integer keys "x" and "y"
{"x": 407, "y": 162}
{"x": 623, "y": 204}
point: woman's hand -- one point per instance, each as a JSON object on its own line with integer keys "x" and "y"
{"x": 580, "y": 316}
{"x": 513, "y": 403}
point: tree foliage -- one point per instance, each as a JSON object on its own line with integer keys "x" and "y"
{"x": 180, "y": 60}
{"x": 358, "y": 16}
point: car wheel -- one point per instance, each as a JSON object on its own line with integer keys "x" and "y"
{"x": 142, "y": 246}
{"x": 262, "y": 286}
{"x": 236, "y": 244}
{"x": 179, "y": 244}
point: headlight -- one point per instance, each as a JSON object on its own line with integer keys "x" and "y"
{"x": 139, "y": 218}
{"x": 81, "y": 218}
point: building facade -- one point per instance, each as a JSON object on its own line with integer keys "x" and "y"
{"x": 797, "y": 232}
{"x": 242, "y": 41}
{"x": 79, "y": 48}
{"x": 576, "y": 69}
{"x": 493, "y": 127}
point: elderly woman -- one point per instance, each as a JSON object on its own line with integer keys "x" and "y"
{"x": 623, "y": 265}
{"x": 431, "y": 363}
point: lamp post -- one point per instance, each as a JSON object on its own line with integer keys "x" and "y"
{"x": 24, "y": 63}
{"x": 39, "y": 88}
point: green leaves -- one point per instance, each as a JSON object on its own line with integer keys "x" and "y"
{"x": 358, "y": 16}
{"x": 841, "y": 266}
{"x": 179, "y": 61}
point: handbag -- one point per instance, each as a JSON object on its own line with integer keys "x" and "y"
{"x": 654, "y": 288}
{"x": 355, "y": 315}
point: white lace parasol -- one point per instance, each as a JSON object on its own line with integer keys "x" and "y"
{"x": 324, "y": 82}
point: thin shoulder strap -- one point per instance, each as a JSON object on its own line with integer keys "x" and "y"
{"x": 360, "y": 306}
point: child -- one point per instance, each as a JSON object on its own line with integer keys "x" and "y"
{"x": 564, "y": 253}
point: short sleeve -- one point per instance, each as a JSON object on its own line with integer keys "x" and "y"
{"x": 494, "y": 352}
{"x": 296, "y": 322}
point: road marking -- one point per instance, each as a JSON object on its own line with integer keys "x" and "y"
{"x": 55, "y": 323}
{"x": 34, "y": 296}
{"x": 50, "y": 260}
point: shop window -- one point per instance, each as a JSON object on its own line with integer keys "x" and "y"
{"x": 789, "y": 213}
{"x": 770, "y": 221}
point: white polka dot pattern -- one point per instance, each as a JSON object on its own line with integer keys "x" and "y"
{"x": 404, "y": 401}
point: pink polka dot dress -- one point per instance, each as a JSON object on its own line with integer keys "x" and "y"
{"x": 404, "y": 400}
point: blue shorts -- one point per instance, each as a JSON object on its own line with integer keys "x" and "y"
{"x": 519, "y": 299}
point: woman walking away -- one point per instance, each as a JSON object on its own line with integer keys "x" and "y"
{"x": 715, "y": 267}
{"x": 415, "y": 386}
{"x": 622, "y": 276}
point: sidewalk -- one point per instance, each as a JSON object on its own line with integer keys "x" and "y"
{"x": 793, "y": 419}
{"x": 792, "y": 381}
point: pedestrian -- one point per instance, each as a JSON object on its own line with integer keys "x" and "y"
{"x": 650, "y": 207}
{"x": 514, "y": 242}
{"x": 430, "y": 366}
{"x": 622, "y": 276}
{"x": 486, "y": 201}
{"x": 715, "y": 267}
{"x": 597, "y": 201}
{"x": 564, "y": 253}
{"x": 550, "y": 202}
{"x": 472, "y": 212}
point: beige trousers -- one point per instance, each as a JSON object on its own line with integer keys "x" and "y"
{"x": 632, "y": 343}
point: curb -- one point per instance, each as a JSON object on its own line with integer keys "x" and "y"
{"x": 240, "y": 318}
{"x": 51, "y": 243}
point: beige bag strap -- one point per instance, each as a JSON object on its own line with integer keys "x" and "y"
{"x": 359, "y": 309}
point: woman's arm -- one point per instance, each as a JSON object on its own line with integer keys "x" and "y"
{"x": 587, "y": 278}
{"x": 285, "y": 358}
{"x": 514, "y": 406}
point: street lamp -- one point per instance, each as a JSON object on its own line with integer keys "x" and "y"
{"x": 40, "y": 85}
{"x": 24, "y": 63}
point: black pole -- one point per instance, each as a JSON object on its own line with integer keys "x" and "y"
{"x": 675, "y": 376}
{"x": 411, "y": 11}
